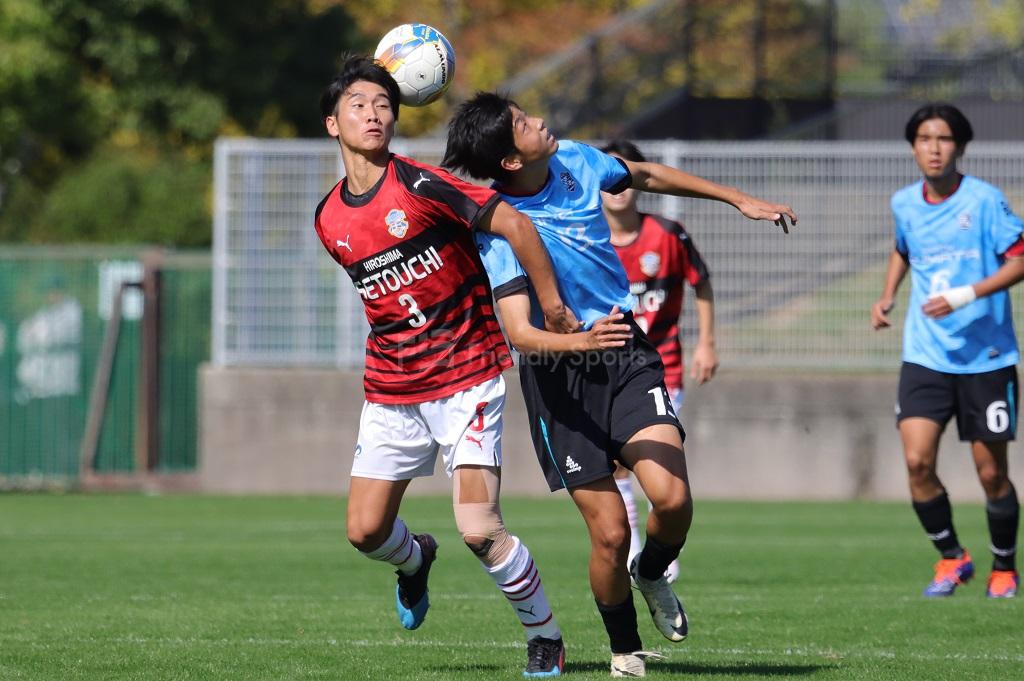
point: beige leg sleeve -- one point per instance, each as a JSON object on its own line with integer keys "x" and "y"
{"x": 478, "y": 514}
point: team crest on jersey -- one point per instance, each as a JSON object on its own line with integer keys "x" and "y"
{"x": 397, "y": 223}
{"x": 964, "y": 220}
{"x": 650, "y": 263}
{"x": 567, "y": 181}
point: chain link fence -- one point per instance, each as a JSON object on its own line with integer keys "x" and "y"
{"x": 796, "y": 302}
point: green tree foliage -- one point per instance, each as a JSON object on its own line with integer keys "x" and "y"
{"x": 150, "y": 76}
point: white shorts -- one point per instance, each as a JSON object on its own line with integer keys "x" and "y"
{"x": 401, "y": 441}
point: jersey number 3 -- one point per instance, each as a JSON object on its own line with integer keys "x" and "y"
{"x": 418, "y": 320}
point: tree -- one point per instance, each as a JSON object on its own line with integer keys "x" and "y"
{"x": 137, "y": 76}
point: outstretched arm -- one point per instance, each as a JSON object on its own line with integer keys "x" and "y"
{"x": 527, "y": 338}
{"x": 705, "y": 356}
{"x": 893, "y": 276}
{"x": 518, "y": 230}
{"x": 944, "y": 303}
{"x": 663, "y": 179}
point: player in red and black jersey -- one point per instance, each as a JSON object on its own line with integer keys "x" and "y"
{"x": 434, "y": 356}
{"x": 659, "y": 256}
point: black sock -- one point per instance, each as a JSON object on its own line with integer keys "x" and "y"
{"x": 655, "y": 557}
{"x": 620, "y": 623}
{"x": 1003, "y": 518}
{"x": 936, "y": 515}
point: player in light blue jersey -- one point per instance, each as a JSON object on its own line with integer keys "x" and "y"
{"x": 589, "y": 410}
{"x": 962, "y": 244}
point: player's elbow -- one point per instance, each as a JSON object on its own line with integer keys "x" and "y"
{"x": 519, "y": 339}
{"x": 513, "y": 226}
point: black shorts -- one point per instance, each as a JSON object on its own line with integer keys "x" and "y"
{"x": 583, "y": 407}
{"x": 985, "y": 404}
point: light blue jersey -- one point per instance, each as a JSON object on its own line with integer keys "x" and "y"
{"x": 567, "y": 213}
{"x": 956, "y": 243}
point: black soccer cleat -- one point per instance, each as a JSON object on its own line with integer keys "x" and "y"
{"x": 544, "y": 657}
{"x": 411, "y": 598}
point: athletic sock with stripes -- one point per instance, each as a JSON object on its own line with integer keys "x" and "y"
{"x": 399, "y": 549}
{"x": 936, "y": 516}
{"x": 625, "y": 486}
{"x": 519, "y": 579}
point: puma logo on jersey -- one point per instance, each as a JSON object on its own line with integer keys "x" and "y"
{"x": 338, "y": 243}
{"x": 423, "y": 178}
{"x": 479, "y": 443}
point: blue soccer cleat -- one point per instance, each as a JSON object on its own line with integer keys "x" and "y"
{"x": 544, "y": 657}
{"x": 949, "y": 574}
{"x": 411, "y": 598}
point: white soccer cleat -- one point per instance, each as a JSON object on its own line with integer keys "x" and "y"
{"x": 632, "y": 665}
{"x": 666, "y": 610}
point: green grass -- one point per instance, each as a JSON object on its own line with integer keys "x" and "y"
{"x": 183, "y": 587}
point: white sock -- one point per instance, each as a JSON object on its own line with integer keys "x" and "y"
{"x": 519, "y": 579}
{"x": 625, "y": 486}
{"x": 399, "y": 549}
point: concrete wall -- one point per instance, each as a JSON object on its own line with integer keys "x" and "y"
{"x": 771, "y": 436}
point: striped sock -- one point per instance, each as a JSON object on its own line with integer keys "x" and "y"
{"x": 625, "y": 486}
{"x": 519, "y": 579}
{"x": 399, "y": 549}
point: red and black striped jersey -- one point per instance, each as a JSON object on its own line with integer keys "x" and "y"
{"x": 408, "y": 247}
{"x": 657, "y": 263}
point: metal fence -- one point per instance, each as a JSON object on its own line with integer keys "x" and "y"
{"x": 782, "y": 302}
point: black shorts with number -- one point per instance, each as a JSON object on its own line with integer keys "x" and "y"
{"x": 985, "y": 404}
{"x": 583, "y": 407}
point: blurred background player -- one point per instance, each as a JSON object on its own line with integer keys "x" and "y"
{"x": 658, "y": 256}
{"x": 962, "y": 244}
{"x": 435, "y": 353}
{"x": 590, "y": 410}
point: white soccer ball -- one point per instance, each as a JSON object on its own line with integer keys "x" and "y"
{"x": 420, "y": 59}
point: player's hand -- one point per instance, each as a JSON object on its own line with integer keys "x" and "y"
{"x": 879, "y": 310}
{"x": 607, "y": 333}
{"x": 704, "y": 364}
{"x": 943, "y": 303}
{"x": 937, "y": 307}
{"x": 756, "y": 209}
{"x": 561, "y": 319}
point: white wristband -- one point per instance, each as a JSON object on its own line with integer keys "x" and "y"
{"x": 959, "y": 296}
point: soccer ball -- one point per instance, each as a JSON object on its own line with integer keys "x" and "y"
{"x": 420, "y": 59}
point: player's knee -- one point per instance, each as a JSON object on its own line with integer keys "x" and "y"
{"x": 919, "y": 468}
{"x": 612, "y": 542}
{"x": 366, "y": 540}
{"x": 484, "y": 532}
{"x": 366, "y": 534}
{"x": 993, "y": 481}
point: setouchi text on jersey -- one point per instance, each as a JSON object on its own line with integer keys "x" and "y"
{"x": 391, "y": 279}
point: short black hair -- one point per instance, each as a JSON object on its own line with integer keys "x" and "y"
{"x": 480, "y": 136}
{"x": 353, "y": 69}
{"x": 957, "y": 122}
{"x": 625, "y": 149}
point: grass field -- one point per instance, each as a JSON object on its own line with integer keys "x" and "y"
{"x": 183, "y": 587}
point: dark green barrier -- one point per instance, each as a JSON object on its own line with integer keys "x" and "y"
{"x": 54, "y": 304}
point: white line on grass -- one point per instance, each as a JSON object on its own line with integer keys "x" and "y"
{"x": 391, "y": 642}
